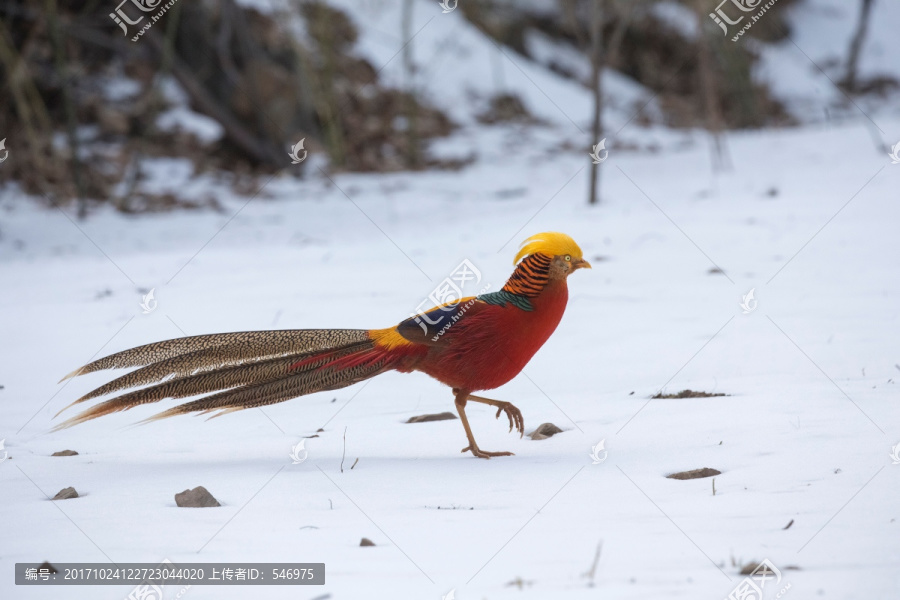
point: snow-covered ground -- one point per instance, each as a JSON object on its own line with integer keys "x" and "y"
{"x": 804, "y": 434}
{"x": 807, "y": 218}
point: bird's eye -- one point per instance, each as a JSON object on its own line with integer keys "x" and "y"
{"x": 568, "y": 258}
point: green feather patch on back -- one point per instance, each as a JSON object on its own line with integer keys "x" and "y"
{"x": 503, "y": 297}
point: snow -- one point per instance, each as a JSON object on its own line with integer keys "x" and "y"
{"x": 181, "y": 118}
{"x": 623, "y": 95}
{"x": 120, "y": 88}
{"x": 806, "y": 218}
{"x": 207, "y": 130}
{"x": 800, "y": 70}
{"x": 678, "y": 16}
{"x": 307, "y": 257}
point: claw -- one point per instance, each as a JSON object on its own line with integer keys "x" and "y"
{"x": 508, "y": 414}
{"x": 516, "y": 420}
{"x": 512, "y": 413}
{"x": 479, "y": 453}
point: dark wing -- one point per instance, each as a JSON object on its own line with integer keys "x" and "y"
{"x": 429, "y": 328}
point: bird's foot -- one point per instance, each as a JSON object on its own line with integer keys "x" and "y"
{"x": 515, "y": 417}
{"x": 479, "y": 453}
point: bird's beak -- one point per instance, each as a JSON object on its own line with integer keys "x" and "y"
{"x": 580, "y": 263}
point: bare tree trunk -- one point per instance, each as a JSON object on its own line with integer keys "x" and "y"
{"x": 623, "y": 12}
{"x": 597, "y": 87}
{"x": 61, "y": 63}
{"x": 324, "y": 92}
{"x": 862, "y": 27}
{"x": 714, "y": 121}
{"x": 32, "y": 112}
{"x": 412, "y": 129}
{"x": 569, "y": 8}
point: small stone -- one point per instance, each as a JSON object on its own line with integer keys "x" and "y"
{"x": 544, "y": 430}
{"x": 750, "y": 567}
{"x": 198, "y": 497}
{"x": 444, "y": 416}
{"x": 366, "y": 542}
{"x": 65, "y": 453}
{"x": 695, "y": 474}
{"x": 688, "y": 394}
{"x": 66, "y": 493}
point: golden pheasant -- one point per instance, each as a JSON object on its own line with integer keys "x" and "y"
{"x": 476, "y": 343}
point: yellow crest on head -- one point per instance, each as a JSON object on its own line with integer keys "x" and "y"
{"x": 550, "y": 242}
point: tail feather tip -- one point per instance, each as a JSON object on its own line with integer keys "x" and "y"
{"x": 74, "y": 373}
{"x": 158, "y": 416}
{"x": 66, "y": 407}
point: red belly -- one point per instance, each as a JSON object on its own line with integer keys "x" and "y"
{"x": 488, "y": 348}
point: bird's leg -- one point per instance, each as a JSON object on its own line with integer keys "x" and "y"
{"x": 514, "y": 414}
{"x": 460, "y": 401}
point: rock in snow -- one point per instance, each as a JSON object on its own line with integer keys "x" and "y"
{"x": 199, "y": 497}
{"x": 544, "y": 430}
{"x": 695, "y": 474}
{"x": 66, "y": 493}
{"x": 444, "y": 416}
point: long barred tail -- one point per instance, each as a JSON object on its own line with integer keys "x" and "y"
{"x": 245, "y": 370}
